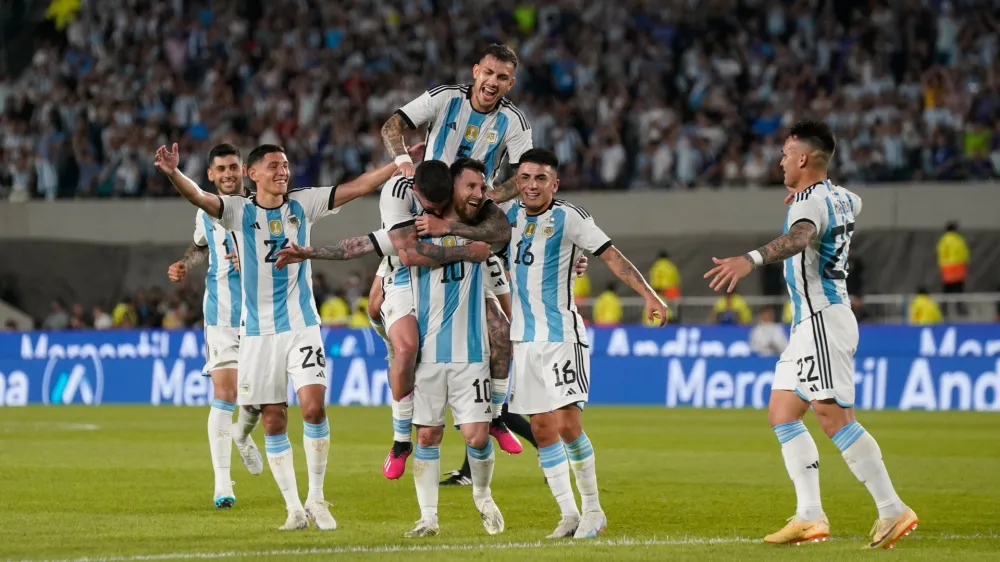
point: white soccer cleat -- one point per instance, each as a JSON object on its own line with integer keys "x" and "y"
{"x": 426, "y": 527}
{"x": 318, "y": 512}
{"x": 492, "y": 518}
{"x": 296, "y": 521}
{"x": 566, "y": 528}
{"x": 249, "y": 452}
{"x": 592, "y": 524}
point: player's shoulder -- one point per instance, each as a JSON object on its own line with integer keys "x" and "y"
{"x": 449, "y": 90}
{"x": 398, "y": 187}
{"x": 508, "y": 107}
{"x": 305, "y": 192}
{"x": 573, "y": 211}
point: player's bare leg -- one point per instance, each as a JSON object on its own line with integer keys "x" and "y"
{"x": 580, "y": 451}
{"x": 479, "y": 450}
{"x": 376, "y": 296}
{"x": 785, "y": 412}
{"x": 426, "y": 467}
{"x": 555, "y": 466}
{"x": 864, "y": 458}
{"x": 405, "y": 339}
{"x": 498, "y": 327}
{"x": 274, "y": 418}
{"x": 316, "y": 442}
{"x": 220, "y": 438}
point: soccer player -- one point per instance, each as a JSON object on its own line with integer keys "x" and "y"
{"x": 222, "y": 328}
{"x": 816, "y": 369}
{"x": 551, "y": 359}
{"x": 466, "y": 121}
{"x": 279, "y": 333}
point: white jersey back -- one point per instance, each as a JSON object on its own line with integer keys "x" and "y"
{"x": 542, "y": 254}
{"x": 398, "y": 207}
{"x": 457, "y": 130}
{"x": 276, "y": 300}
{"x": 817, "y": 277}
{"x": 451, "y": 312}
{"x": 223, "y": 296}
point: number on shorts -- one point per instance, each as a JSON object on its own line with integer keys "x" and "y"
{"x": 567, "y": 376}
{"x": 273, "y": 247}
{"x": 482, "y": 390}
{"x": 310, "y": 352}
{"x": 494, "y": 265}
{"x": 809, "y": 377}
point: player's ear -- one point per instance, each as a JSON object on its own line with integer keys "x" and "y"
{"x": 475, "y": 71}
{"x": 244, "y": 170}
{"x": 555, "y": 185}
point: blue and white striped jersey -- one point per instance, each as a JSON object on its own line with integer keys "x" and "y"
{"x": 457, "y": 130}
{"x": 223, "y": 296}
{"x": 451, "y": 312}
{"x": 542, "y": 254}
{"x": 817, "y": 278}
{"x": 276, "y": 301}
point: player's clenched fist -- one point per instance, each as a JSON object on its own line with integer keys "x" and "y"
{"x": 177, "y": 272}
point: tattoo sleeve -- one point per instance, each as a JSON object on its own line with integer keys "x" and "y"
{"x": 624, "y": 270}
{"x": 195, "y": 255}
{"x": 442, "y": 254}
{"x": 392, "y": 136}
{"x": 493, "y": 229}
{"x": 347, "y": 249}
{"x": 505, "y": 191}
{"x": 787, "y": 245}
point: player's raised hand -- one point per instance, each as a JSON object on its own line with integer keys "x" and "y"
{"x": 177, "y": 272}
{"x": 167, "y": 161}
{"x": 429, "y": 225}
{"x": 656, "y": 309}
{"x": 416, "y": 152}
{"x": 234, "y": 259}
{"x": 789, "y": 197}
{"x": 292, "y": 254}
{"x": 728, "y": 272}
{"x": 581, "y": 266}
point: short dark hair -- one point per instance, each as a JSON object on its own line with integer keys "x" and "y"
{"x": 951, "y": 226}
{"x": 817, "y": 135}
{"x": 541, "y": 156}
{"x": 463, "y": 164}
{"x": 258, "y": 154}
{"x": 433, "y": 179}
{"x": 221, "y": 151}
{"x": 502, "y": 53}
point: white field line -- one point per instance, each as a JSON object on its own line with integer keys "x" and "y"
{"x": 390, "y": 549}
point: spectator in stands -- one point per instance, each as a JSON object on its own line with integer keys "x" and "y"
{"x": 321, "y": 290}
{"x": 608, "y": 307}
{"x": 859, "y": 309}
{"x": 78, "y": 318}
{"x": 335, "y": 311}
{"x": 856, "y": 276}
{"x": 102, "y": 320}
{"x": 953, "y": 263}
{"x": 174, "y": 317}
{"x": 581, "y": 288}
{"x": 664, "y": 277}
{"x": 353, "y": 289}
{"x": 923, "y": 309}
{"x": 731, "y": 309}
{"x": 58, "y": 319}
{"x": 768, "y": 337}
{"x": 359, "y": 318}
{"x": 123, "y": 315}
{"x": 10, "y": 326}
{"x": 786, "y": 313}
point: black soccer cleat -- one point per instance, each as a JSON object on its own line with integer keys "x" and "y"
{"x": 456, "y": 478}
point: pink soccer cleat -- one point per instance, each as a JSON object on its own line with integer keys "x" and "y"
{"x": 508, "y": 441}
{"x": 395, "y": 463}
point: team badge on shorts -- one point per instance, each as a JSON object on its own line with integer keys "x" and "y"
{"x": 244, "y": 390}
{"x": 492, "y": 136}
{"x": 529, "y": 230}
{"x": 471, "y": 133}
{"x": 274, "y": 227}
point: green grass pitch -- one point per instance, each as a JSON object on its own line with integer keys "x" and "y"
{"x": 135, "y": 483}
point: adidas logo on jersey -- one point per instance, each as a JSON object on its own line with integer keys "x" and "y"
{"x": 499, "y": 283}
{"x": 571, "y": 392}
{"x": 255, "y": 226}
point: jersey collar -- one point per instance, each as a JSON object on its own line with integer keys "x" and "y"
{"x": 547, "y": 209}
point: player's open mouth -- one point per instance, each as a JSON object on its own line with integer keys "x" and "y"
{"x": 473, "y": 202}
{"x": 489, "y": 92}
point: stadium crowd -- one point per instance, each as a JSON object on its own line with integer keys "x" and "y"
{"x": 630, "y": 94}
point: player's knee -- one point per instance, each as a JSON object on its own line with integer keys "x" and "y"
{"x": 570, "y": 429}
{"x": 429, "y": 436}
{"x": 404, "y": 346}
{"x": 478, "y": 439}
{"x": 274, "y": 418}
{"x": 545, "y": 429}
{"x": 313, "y": 413}
{"x": 225, "y": 393}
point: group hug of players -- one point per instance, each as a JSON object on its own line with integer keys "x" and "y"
{"x": 473, "y": 297}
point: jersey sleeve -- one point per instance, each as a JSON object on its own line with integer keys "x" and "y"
{"x": 584, "y": 232}
{"x": 200, "y": 237}
{"x": 421, "y": 110}
{"x": 495, "y": 278}
{"x": 518, "y": 141}
{"x": 855, "y": 202}
{"x": 395, "y": 203}
{"x": 808, "y": 209}
{"x": 316, "y": 201}
{"x": 232, "y": 212}
{"x": 383, "y": 244}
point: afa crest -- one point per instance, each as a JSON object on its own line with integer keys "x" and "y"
{"x": 274, "y": 227}
{"x": 529, "y": 230}
{"x": 293, "y": 222}
{"x": 471, "y": 133}
{"x": 548, "y": 231}
{"x": 492, "y": 136}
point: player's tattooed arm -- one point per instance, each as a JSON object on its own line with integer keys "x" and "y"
{"x": 505, "y": 191}
{"x": 195, "y": 255}
{"x": 347, "y": 249}
{"x": 392, "y": 135}
{"x": 624, "y": 270}
{"x": 492, "y": 228}
{"x": 787, "y": 245}
{"x": 435, "y": 255}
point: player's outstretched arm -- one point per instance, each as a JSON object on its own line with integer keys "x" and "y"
{"x": 624, "y": 270}
{"x": 167, "y": 161}
{"x": 492, "y": 228}
{"x": 505, "y": 191}
{"x": 728, "y": 271}
{"x": 194, "y": 256}
{"x": 363, "y": 185}
{"x": 347, "y": 249}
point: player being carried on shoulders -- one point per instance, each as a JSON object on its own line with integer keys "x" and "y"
{"x": 817, "y": 368}
{"x": 551, "y": 355}
{"x": 280, "y": 337}
{"x": 222, "y": 306}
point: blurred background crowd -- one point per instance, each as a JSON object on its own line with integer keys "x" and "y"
{"x": 631, "y": 94}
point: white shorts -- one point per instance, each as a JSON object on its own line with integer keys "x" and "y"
{"x": 548, "y": 376}
{"x": 398, "y": 303}
{"x": 268, "y": 362}
{"x": 463, "y": 387}
{"x": 818, "y": 363}
{"x": 222, "y": 348}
